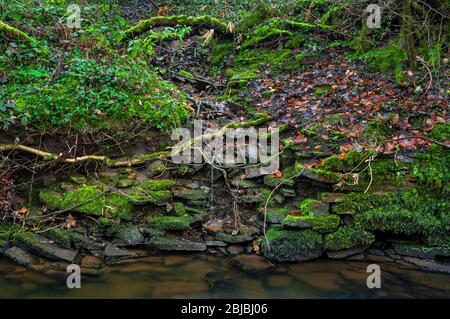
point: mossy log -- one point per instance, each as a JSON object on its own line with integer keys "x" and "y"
{"x": 206, "y": 22}
{"x": 6, "y": 29}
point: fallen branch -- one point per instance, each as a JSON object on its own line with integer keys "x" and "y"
{"x": 97, "y": 158}
{"x": 16, "y": 33}
{"x": 205, "y": 22}
{"x": 140, "y": 160}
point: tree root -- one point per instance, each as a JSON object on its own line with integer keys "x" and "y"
{"x": 139, "y": 160}
{"x": 206, "y": 22}
{"x": 96, "y": 158}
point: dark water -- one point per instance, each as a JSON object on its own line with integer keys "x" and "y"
{"x": 198, "y": 276}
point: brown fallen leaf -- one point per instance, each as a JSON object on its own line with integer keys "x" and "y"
{"x": 70, "y": 222}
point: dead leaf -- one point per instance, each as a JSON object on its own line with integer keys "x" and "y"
{"x": 208, "y": 35}
{"x": 230, "y": 27}
{"x": 277, "y": 174}
{"x": 70, "y": 222}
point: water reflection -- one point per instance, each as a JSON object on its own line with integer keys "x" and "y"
{"x": 199, "y": 276}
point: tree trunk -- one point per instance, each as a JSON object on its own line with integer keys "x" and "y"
{"x": 408, "y": 33}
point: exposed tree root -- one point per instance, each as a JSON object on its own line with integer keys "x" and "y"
{"x": 97, "y": 158}
{"x": 140, "y": 160}
{"x": 161, "y": 21}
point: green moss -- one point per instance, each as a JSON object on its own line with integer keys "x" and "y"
{"x": 320, "y": 224}
{"x": 431, "y": 168}
{"x": 274, "y": 200}
{"x": 108, "y": 226}
{"x": 158, "y": 184}
{"x": 274, "y": 216}
{"x": 179, "y": 208}
{"x": 273, "y": 182}
{"x": 313, "y": 207}
{"x": 322, "y": 90}
{"x": 197, "y": 22}
{"x": 220, "y": 52}
{"x": 24, "y": 237}
{"x": 119, "y": 206}
{"x": 61, "y": 236}
{"x": 408, "y": 212}
{"x": 91, "y": 196}
{"x": 153, "y": 156}
{"x": 264, "y": 34}
{"x": 333, "y": 163}
{"x": 296, "y": 41}
{"x": 140, "y": 196}
{"x": 8, "y": 230}
{"x": 327, "y": 18}
{"x": 51, "y": 199}
{"x": 10, "y": 31}
{"x": 387, "y": 59}
{"x": 348, "y": 237}
{"x": 170, "y": 222}
{"x": 233, "y": 239}
{"x": 294, "y": 170}
{"x": 292, "y": 245}
{"x": 185, "y": 170}
{"x": 441, "y": 132}
{"x": 398, "y": 221}
{"x": 92, "y": 200}
{"x": 352, "y": 159}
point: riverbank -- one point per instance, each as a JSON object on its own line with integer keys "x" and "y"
{"x": 87, "y": 171}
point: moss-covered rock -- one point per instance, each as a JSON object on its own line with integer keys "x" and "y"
{"x": 139, "y": 196}
{"x": 274, "y": 216}
{"x": 320, "y": 224}
{"x": 125, "y": 182}
{"x": 348, "y": 237}
{"x": 170, "y": 222}
{"x": 157, "y": 184}
{"x": 155, "y": 168}
{"x": 292, "y": 245}
{"x": 421, "y": 251}
{"x": 432, "y": 168}
{"x": 179, "y": 208}
{"x": 234, "y": 239}
{"x": 408, "y": 212}
{"x": 92, "y": 200}
{"x": 53, "y": 200}
{"x": 313, "y": 207}
{"x": 273, "y": 181}
{"x": 191, "y": 194}
{"x": 62, "y": 237}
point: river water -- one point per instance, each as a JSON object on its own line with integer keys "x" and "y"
{"x": 201, "y": 276}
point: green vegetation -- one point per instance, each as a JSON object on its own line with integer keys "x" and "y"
{"x": 291, "y": 245}
{"x": 171, "y": 222}
{"x": 320, "y": 224}
{"x": 90, "y": 200}
{"x": 157, "y": 184}
{"x": 409, "y": 212}
{"x": 348, "y": 237}
{"x": 84, "y": 82}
